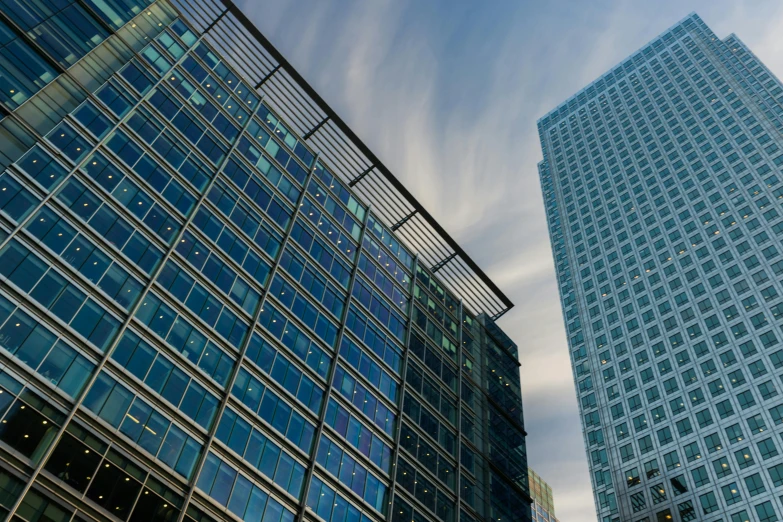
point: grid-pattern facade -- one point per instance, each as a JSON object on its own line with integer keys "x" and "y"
{"x": 543, "y": 508}
{"x": 662, "y": 188}
{"x": 200, "y": 316}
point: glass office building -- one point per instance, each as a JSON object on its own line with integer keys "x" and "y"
{"x": 543, "y": 508}
{"x": 216, "y": 303}
{"x": 662, "y": 184}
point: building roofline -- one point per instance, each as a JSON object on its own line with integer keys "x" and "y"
{"x": 691, "y": 16}
{"x": 495, "y": 304}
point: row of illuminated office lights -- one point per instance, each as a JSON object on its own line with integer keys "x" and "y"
{"x": 38, "y": 347}
{"x": 59, "y": 234}
{"x": 44, "y": 230}
{"x": 116, "y": 399}
{"x": 110, "y": 178}
{"x": 162, "y": 334}
{"x": 252, "y": 155}
{"x": 98, "y": 329}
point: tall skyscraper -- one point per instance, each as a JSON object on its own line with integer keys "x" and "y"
{"x": 662, "y": 186}
{"x": 543, "y": 507}
{"x": 216, "y": 303}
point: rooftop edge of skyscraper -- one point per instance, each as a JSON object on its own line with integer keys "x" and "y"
{"x": 620, "y": 70}
{"x": 228, "y": 29}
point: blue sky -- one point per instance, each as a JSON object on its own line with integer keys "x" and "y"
{"x": 447, "y": 94}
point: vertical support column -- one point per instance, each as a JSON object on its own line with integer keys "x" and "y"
{"x": 83, "y": 394}
{"x": 332, "y": 371}
{"x": 243, "y": 349}
{"x": 458, "y": 478}
{"x": 396, "y": 448}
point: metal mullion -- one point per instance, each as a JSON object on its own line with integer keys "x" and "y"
{"x": 395, "y": 283}
{"x": 431, "y": 295}
{"x": 382, "y": 327}
{"x": 274, "y": 227}
{"x": 107, "y": 199}
{"x": 330, "y": 382}
{"x": 30, "y": 374}
{"x": 458, "y": 478}
{"x": 224, "y": 299}
{"x": 94, "y": 15}
{"x": 220, "y": 38}
{"x": 475, "y": 296}
{"x": 311, "y": 299}
{"x": 87, "y": 385}
{"x": 318, "y": 268}
{"x": 268, "y": 430}
{"x": 73, "y": 275}
{"x": 224, "y": 258}
{"x": 242, "y": 351}
{"x": 299, "y": 323}
{"x": 141, "y": 389}
{"x": 278, "y": 86}
{"x": 388, "y": 252}
{"x": 283, "y": 145}
{"x": 355, "y": 339}
{"x": 335, "y": 172}
{"x": 330, "y": 142}
{"x": 288, "y": 90}
{"x": 356, "y": 454}
{"x": 62, "y": 70}
{"x": 278, "y": 387}
{"x": 99, "y": 241}
{"x": 276, "y": 163}
{"x": 476, "y": 293}
{"x": 168, "y": 124}
{"x": 200, "y": 8}
{"x": 164, "y": 348}
{"x": 331, "y": 217}
{"x": 325, "y": 238}
{"x": 340, "y": 141}
{"x": 350, "y": 370}
{"x": 396, "y": 447}
{"x": 187, "y": 105}
{"x": 342, "y": 168}
{"x": 240, "y": 158}
{"x": 255, "y": 206}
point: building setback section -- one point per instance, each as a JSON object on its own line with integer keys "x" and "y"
{"x": 662, "y": 188}
{"x": 216, "y": 303}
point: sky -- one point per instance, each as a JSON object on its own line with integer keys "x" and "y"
{"x": 447, "y": 94}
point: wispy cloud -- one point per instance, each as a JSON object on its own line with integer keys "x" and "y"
{"x": 447, "y": 94}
